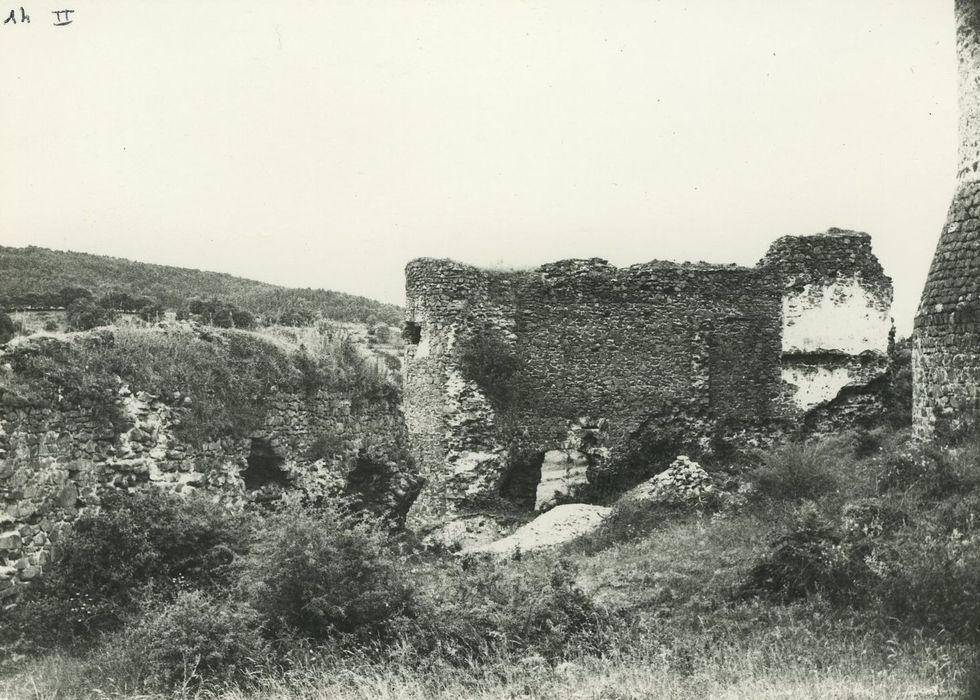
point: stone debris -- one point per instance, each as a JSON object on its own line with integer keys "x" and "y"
{"x": 684, "y": 480}
{"x": 559, "y": 525}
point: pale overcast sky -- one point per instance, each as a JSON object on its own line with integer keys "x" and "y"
{"x": 325, "y": 144}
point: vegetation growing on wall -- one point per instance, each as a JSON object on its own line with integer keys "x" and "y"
{"x": 221, "y": 379}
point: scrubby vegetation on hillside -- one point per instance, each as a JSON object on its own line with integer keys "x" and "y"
{"x": 222, "y": 377}
{"x": 836, "y": 569}
{"x": 38, "y": 277}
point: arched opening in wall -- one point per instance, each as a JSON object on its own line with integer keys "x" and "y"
{"x": 412, "y": 332}
{"x": 264, "y": 466}
{"x": 520, "y": 486}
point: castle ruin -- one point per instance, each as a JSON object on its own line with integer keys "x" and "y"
{"x": 946, "y": 341}
{"x": 518, "y": 384}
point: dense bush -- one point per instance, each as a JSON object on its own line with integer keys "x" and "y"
{"x": 191, "y": 642}
{"x": 931, "y": 472}
{"x": 324, "y": 575}
{"x": 217, "y": 312}
{"x": 83, "y": 314}
{"x": 135, "y": 542}
{"x": 811, "y": 556}
{"x": 7, "y": 329}
{"x": 933, "y": 582}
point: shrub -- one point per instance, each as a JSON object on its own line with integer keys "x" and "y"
{"x": 798, "y": 471}
{"x": 809, "y": 557}
{"x": 7, "y": 328}
{"x": 83, "y": 314}
{"x": 188, "y": 643}
{"x": 931, "y": 472}
{"x": 485, "y": 608}
{"x": 151, "y": 312}
{"x": 933, "y": 582}
{"x": 382, "y": 333}
{"x": 324, "y": 574}
{"x": 897, "y": 390}
{"x": 51, "y": 326}
{"x": 136, "y": 541}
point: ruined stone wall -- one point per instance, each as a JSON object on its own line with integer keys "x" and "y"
{"x": 661, "y": 341}
{"x": 55, "y": 462}
{"x": 604, "y": 354}
{"x": 946, "y": 342}
{"x": 836, "y": 314}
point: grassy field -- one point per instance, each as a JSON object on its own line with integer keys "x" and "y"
{"x": 852, "y": 570}
{"x": 685, "y": 638}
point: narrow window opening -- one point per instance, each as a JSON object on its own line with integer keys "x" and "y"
{"x": 412, "y": 333}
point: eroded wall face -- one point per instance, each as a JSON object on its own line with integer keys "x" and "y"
{"x": 55, "y": 462}
{"x": 836, "y": 311}
{"x": 946, "y": 343}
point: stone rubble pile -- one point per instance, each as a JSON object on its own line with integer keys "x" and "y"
{"x": 684, "y": 480}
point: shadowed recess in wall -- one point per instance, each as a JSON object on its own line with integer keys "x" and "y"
{"x": 264, "y": 466}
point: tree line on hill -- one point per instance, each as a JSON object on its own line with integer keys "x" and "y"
{"x": 39, "y": 278}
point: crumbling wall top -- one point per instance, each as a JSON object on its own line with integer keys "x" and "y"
{"x": 825, "y": 256}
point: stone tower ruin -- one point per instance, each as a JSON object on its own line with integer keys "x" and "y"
{"x": 520, "y": 383}
{"x": 946, "y": 341}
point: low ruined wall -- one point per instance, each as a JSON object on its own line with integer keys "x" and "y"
{"x": 56, "y": 461}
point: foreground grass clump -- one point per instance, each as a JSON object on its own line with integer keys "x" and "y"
{"x": 195, "y": 640}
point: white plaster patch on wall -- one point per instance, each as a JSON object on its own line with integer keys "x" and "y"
{"x": 422, "y": 349}
{"x": 842, "y": 316}
{"x": 816, "y": 385}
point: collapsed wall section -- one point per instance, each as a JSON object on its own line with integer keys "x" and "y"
{"x": 836, "y": 311}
